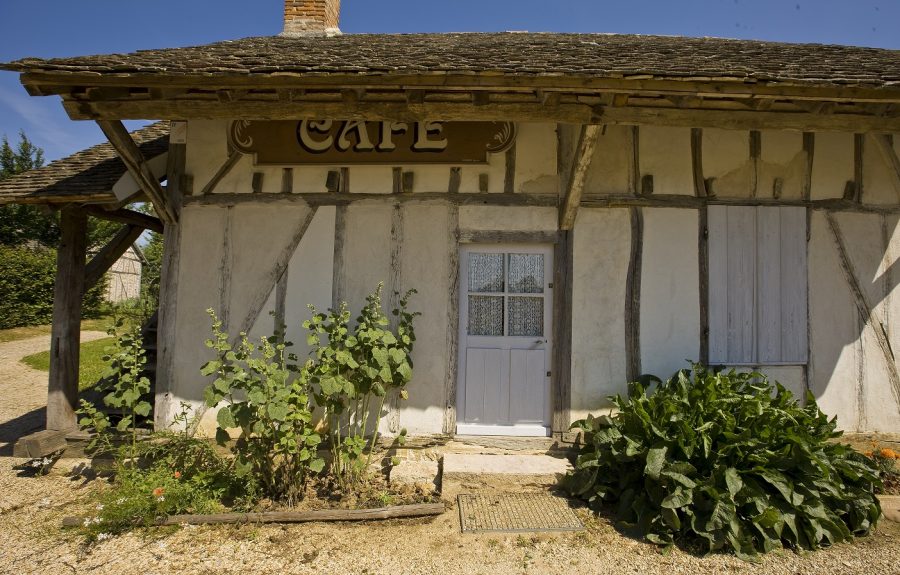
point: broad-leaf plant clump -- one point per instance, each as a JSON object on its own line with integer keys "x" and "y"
{"x": 726, "y": 459}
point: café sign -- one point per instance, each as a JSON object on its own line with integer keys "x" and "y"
{"x": 359, "y": 142}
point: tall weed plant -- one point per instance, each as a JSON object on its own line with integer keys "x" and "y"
{"x": 726, "y": 459}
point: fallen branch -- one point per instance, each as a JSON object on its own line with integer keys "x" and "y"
{"x": 396, "y": 512}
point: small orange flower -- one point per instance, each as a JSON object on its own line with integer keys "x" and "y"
{"x": 158, "y": 492}
{"x": 177, "y": 475}
{"x": 868, "y": 454}
{"x": 889, "y": 453}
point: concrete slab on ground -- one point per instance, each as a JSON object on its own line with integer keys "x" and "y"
{"x": 423, "y": 472}
{"x": 475, "y": 464}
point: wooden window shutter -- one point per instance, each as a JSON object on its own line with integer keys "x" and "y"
{"x": 757, "y": 285}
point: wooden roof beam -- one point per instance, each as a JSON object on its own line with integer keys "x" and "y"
{"x": 137, "y": 166}
{"x": 129, "y": 217}
{"x": 584, "y": 155}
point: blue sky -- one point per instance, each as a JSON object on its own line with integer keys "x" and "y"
{"x": 79, "y": 27}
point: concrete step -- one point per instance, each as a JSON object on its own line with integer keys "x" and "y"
{"x": 465, "y": 464}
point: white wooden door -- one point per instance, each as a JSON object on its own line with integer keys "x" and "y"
{"x": 504, "y": 352}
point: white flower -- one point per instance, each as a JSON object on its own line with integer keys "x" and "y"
{"x": 161, "y": 498}
{"x": 120, "y": 501}
{"x": 103, "y": 537}
{"x": 87, "y": 522}
{"x": 99, "y": 507}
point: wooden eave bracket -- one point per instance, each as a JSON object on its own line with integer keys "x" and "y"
{"x": 584, "y": 154}
{"x": 138, "y": 167}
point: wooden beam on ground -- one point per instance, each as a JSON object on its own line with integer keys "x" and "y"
{"x": 396, "y": 512}
{"x": 137, "y": 166}
{"x": 40, "y": 444}
{"x": 584, "y": 154}
{"x": 110, "y": 253}
{"x": 885, "y": 146}
{"x": 62, "y": 394}
{"x": 129, "y": 217}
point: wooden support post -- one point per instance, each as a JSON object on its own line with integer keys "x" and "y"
{"x": 755, "y": 153}
{"x": 634, "y": 162}
{"x": 563, "y": 259}
{"x": 859, "y": 150}
{"x": 509, "y": 180}
{"x": 809, "y": 148}
{"x": 455, "y": 178}
{"x": 633, "y": 297}
{"x": 700, "y": 189}
{"x": 62, "y": 397}
{"x": 179, "y": 185}
{"x": 137, "y": 166}
{"x": 584, "y": 154}
{"x": 450, "y": 388}
{"x": 110, "y": 253}
{"x": 703, "y": 281}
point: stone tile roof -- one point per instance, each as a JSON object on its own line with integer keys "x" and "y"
{"x": 87, "y": 176}
{"x": 501, "y": 54}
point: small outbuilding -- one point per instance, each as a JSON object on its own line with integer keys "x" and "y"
{"x": 573, "y": 209}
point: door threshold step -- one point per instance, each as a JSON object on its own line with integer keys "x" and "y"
{"x": 489, "y": 464}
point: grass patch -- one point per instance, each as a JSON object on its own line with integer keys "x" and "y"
{"x": 17, "y": 333}
{"x": 91, "y": 366}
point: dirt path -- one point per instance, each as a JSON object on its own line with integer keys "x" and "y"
{"x": 23, "y": 390}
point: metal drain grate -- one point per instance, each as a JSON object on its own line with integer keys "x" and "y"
{"x": 515, "y": 512}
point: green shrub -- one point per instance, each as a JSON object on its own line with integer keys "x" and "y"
{"x": 726, "y": 459}
{"x": 353, "y": 371}
{"x": 269, "y": 398}
{"x": 27, "y": 276}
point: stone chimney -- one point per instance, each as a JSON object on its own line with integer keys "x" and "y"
{"x": 311, "y": 17}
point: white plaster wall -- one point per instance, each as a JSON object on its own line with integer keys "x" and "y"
{"x": 507, "y": 218}
{"x": 608, "y": 173}
{"x": 670, "y": 293}
{"x": 665, "y": 153}
{"x": 782, "y": 156}
{"x": 879, "y": 185}
{"x": 726, "y": 159}
{"x": 536, "y": 159}
{"x": 832, "y": 165}
{"x": 834, "y": 331}
{"x": 202, "y": 246}
{"x": 425, "y": 257}
{"x": 367, "y": 253}
{"x": 310, "y": 276}
{"x": 602, "y": 249}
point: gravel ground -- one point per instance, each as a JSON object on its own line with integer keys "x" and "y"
{"x": 31, "y": 509}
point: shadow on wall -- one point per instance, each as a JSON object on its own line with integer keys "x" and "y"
{"x": 853, "y": 271}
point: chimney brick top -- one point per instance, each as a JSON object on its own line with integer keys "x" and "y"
{"x": 311, "y": 17}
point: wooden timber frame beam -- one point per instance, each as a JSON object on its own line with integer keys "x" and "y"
{"x": 110, "y": 253}
{"x": 576, "y": 111}
{"x": 62, "y": 391}
{"x": 584, "y": 154}
{"x": 124, "y": 216}
{"x": 137, "y": 166}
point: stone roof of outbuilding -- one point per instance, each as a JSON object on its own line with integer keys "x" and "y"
{"x": 88, "y": 175}
{"x": 500, "y": 54}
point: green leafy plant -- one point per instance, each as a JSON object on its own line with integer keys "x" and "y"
{"x": 267, "y": 396}
{"x": 354, "y": 371}
{"x": 726, "y": 459}
{"x": 128, "y": 391}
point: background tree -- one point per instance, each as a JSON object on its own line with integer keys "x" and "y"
{"x": 28, "y": 239}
